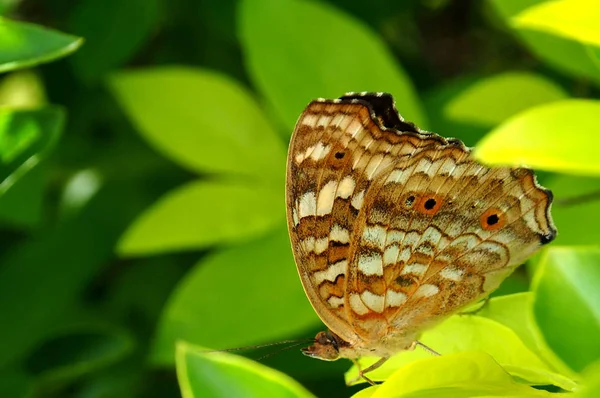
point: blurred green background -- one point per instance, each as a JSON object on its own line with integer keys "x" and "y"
{"x": 143, "y": 144}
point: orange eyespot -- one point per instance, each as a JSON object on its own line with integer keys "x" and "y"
{"x": 492, "y": 219}
{"x": 429, "y": 204}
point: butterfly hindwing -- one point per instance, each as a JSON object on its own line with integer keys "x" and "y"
{"x": 393, "y": 228}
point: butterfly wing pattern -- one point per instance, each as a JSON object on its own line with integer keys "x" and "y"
{"x": 394, "y": 229}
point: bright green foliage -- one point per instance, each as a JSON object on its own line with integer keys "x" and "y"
{"x": 474, "y": 333}
{"x": 467, "y": 374}
{"x": 224, "y": 375}
{"x": 575, "y": 273}
{"x": 563, "y": 53}
{"x": 506, "y": 95}
{"x": 535, "y": 138}
{"x": 142, "y": 205}
{"x": 572, "y": 19}
{"x": 221, "y": 216}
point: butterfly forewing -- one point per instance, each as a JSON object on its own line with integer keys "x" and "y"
{"x": 393, "y": 228}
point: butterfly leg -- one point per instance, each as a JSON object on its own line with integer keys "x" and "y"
{"x": 427, "y": 348}
{"x": 361, "y": 372}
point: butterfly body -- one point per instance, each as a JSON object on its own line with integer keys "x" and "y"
{"x": 394, "y": 229}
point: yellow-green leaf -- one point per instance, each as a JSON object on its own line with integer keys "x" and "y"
{"x": 550, "y": 137}
{"x": 467, "y": 374}
{"x": 223, "y": 375}
{"x": 573, "y": 19}
{"x": 201, "y": 214}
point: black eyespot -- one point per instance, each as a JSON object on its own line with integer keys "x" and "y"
{"x": 430, "y": 204}
{"x": 493, "y": 219}
{"x": 410, "y": 200}
{"x": 339, "y": 155}
{"x": 547, "y": 238}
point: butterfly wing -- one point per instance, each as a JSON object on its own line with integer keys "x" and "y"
{"x": 330, "y": 168}
{"x": 394, "y": 229}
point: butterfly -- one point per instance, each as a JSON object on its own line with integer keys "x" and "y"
{"x": 393, "y": 229}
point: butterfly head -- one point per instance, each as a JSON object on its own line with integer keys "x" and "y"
{"x": 326, "y": 347}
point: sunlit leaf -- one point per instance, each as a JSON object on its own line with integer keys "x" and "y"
{"x": 567, "y": 303}
{"x": 474, "y": 333}
{"x": 202, "y": 213}
{"x": 23, "y": 44}
{"x": 591, "y": 385}
{"x": 467, "y": 374}
{"x": 516, "y": 312}
{"x": 548, "y": 137}
{"x": 203, "y": 120}
{"x": 225, "y": 375}
{"x": 293, "y": 62}
{"x": 573, "y": 19}
{"x": 490, "y": 101}
{"x": 257, "y": 282}
{"x": 564, "y": 54}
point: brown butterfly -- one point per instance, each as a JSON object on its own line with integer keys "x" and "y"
{"x": 394, "y": 229}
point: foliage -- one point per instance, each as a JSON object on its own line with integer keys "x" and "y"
{"x": 141, "y": 189}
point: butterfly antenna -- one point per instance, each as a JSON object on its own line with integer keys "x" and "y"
{"x": 295, "y": 343}
{"x": 282, "y": 350}
{"x": 431, "y": 350}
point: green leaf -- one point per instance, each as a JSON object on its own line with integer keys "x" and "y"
{"x": 490, "y": 101}
{"x": 591, "y": 386}
{"x": 470, "y": 333}
{"x": 203, "y": 120}
{"x": 23, "y": 45}
{"x": 244, "y": 295}
{"x": 563, "y": 54}
{"x": 224, "y": 375}
{"x": 109, "y": 45}
{"x": 293, "y": 62}
{"x": 547, "y": 137}
{"x": 573, "y": 19}
{"x": 575, "y": 200}
{"x": 26, "y": 136}
{"x": 516, "y": 312}
{"x": 567, "y": 303}
{"x": 467, "y": 374}
{"x": 75, "y": 353}
{"x": 201, "y": 214}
